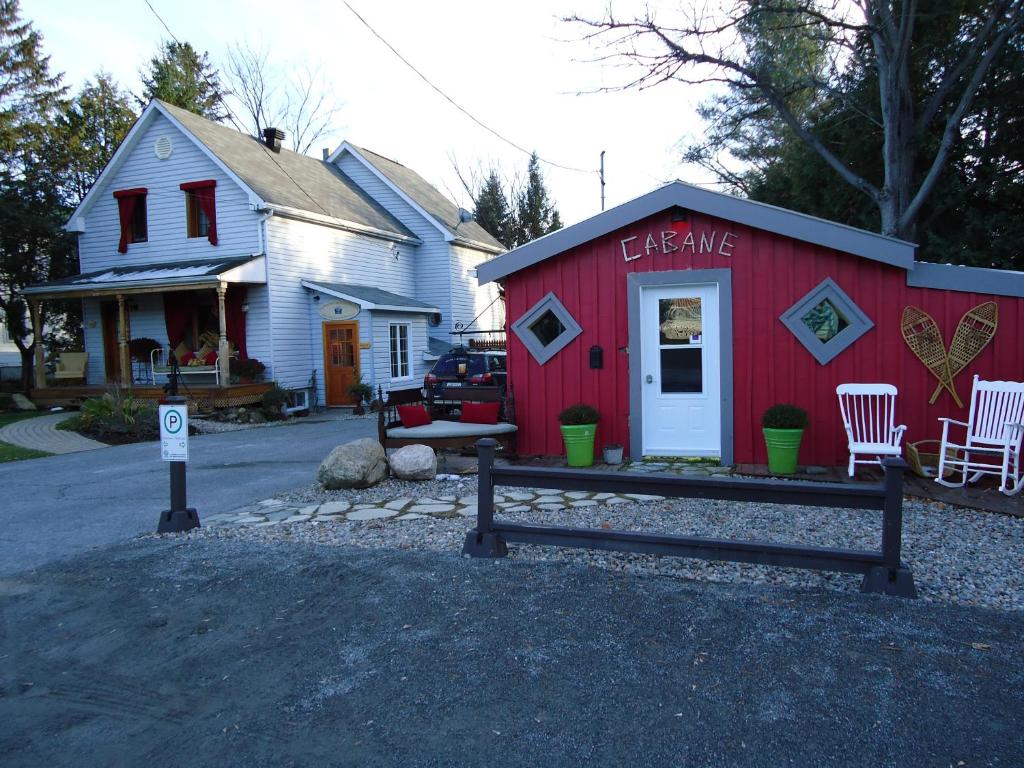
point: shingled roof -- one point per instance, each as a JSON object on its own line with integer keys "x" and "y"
{"x": 288, "y": 178}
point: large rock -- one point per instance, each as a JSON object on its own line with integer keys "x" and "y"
{"x": 22, "y": 403}
{"x": 414, "y": 462}
{"x": 358, "y": 464}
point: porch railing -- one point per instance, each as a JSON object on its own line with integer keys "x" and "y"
{"x": 883, "y": 571}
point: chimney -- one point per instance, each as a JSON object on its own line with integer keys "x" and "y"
{"x": 327, "y": 153}
{"x": 273, "y": 137}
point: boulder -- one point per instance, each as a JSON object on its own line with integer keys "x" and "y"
{"x": 414, "y": 462}
{"x": 358, "y": 464}
{"x": 22, "y": 403}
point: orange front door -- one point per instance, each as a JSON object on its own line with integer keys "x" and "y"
{"x": 341, "y": 361}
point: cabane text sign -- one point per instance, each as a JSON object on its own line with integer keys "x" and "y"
{"x": 669, "y": 241}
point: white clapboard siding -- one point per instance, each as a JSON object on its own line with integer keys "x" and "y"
{"x": 257, "y": 325}
{"x": 470, "y": 299}
{"x": 299, "y": 251}
{"x": 431, "y": 258}
{"x": 92, "y": 322}
{"x": 237, "y": 226}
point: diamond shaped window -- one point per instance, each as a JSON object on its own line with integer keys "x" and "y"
{"x": 826, "y": 321}
{"x": 546, "y": 328}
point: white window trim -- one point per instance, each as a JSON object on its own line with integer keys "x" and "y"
{"x": 408, "y": 352}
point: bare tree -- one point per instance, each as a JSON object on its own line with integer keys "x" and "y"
{"x": 299, "y": 103}
{"x": 701, "y": 46}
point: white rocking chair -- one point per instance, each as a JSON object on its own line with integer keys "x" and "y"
{"x": 869, "y": 416}
{"x": 995, "y": 428}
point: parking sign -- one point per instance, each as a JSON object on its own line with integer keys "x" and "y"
{"x": 174, "y": 432}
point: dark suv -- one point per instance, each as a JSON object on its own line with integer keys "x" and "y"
{"x": 461, "y": 367}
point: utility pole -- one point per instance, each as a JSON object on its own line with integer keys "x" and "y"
{"x": 602, "y": 179}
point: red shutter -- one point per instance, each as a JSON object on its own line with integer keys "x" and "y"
{"x": 127, "y": 199}
{"x": 205, "y": 192}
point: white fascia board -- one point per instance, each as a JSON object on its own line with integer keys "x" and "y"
{"x": 364, "y": 304}
{"x": 254, "y": 271}
{"x": 478, "y": 246}
{"x": 354, "y": 151}
{"x": 329, "y": 221}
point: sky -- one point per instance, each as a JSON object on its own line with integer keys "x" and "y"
{"x": 514, "y": 66}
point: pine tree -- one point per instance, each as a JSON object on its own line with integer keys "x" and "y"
{"x": 493, "y": 211}
{"x": 180, "y": 76}
{"x": 535, "y": 214}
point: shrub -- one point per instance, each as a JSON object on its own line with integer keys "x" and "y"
{"x": 142, "y": 348}
{"x": 116, "y": 417}
{"x": 360, "y": 391}
{"x": 250, "y": 368}
{"x": 784, "y": 416}
{"x": 578, "y": 414}
{"x": 274, "y": 400}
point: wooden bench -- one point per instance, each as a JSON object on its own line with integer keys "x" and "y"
{"x": 445, "y": 431}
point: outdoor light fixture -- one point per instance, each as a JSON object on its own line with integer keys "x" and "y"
{"x": 316, "y": 297}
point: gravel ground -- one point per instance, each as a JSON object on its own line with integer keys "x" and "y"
{"x": 957, "y": 555}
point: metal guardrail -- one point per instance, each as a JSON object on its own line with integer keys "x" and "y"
{"x": 884, "y": 571}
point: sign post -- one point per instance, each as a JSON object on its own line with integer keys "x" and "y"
{"x": 174, "y": 449}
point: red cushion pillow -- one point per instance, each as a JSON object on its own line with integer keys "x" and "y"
{"x": 183, "y": 360}
{"x": 414, "y": 415}
{"x": 480, "y": 413}
{"x": 211, "y": 357}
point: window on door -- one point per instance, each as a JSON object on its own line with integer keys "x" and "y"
{"x": 400, "y": 368}
{"x": 681, "y": 342}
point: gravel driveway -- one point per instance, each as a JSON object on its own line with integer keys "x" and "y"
{"x": 199, "y": 652}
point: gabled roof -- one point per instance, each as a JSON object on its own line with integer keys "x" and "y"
{"x": 286, "y": 180}
{"x": 425, "y": 198}
{"x": 799, "y": 226}
{"x": 161, "y": 276}
{"x": 369, "y": 297}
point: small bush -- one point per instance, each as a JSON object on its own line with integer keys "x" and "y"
{"x": 784, "y": 416}
{"x": 360, "y": 391}
{"x": 116, "y": 417}
{"x": 274, "y": 400}
{"x": 578, "y": 414}
{"x": 250, "y": 368}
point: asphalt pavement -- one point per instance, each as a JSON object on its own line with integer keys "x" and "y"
{"x": 59, "y": 506}
{"x": 191, "y": 651}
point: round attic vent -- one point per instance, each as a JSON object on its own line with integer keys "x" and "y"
{"x": 163, "y": 147}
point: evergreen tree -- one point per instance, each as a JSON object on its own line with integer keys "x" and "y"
{"x": 88, "y": 131}
{"x": 535, "y": 214}
{"x": 492, "y": 209}
{"x": 179, "y": 75}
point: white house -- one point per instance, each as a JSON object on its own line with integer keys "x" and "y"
{"x": 348, "y": 266}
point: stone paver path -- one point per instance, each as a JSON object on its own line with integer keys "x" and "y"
{"x": 277, "y": 512}
{"x": 41, "y": 434}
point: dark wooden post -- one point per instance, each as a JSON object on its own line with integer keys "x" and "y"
{"x": 482, "y": 542}
{"x": 892, "y": 578}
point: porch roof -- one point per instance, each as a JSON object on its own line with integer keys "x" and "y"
{"x": 151, "y": 278}
{"x": 368, "y": 297}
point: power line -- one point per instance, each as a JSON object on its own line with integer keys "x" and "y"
{"x": 451, "y": 101}
{"x": 231, "y": 117}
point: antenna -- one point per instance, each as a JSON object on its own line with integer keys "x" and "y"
{"x": 602, "y": 179}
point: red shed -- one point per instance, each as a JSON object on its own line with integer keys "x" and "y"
{"x": 684, "y": 314}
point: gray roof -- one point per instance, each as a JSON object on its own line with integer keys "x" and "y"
{"x": 426, "y": 196}
{"x": 162, "y": 275}
{"x": 375, "y": 297}
{"x": 770, "y": 218}
{"x": 288, "y": 178}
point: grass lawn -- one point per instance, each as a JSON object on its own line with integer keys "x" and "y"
{"x": 10, "y": 452}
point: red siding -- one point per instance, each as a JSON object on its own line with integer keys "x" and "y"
{"x": 769, "y": 274}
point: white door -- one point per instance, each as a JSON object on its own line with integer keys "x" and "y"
{"x": 680, "y": 376}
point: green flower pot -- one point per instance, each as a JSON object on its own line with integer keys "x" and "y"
{"x": 783, "y": 448}
{"x": 579, "y": 444}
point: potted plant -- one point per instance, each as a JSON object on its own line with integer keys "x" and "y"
{"x": 579, "y": 425}
{"x": 613, "y": 454}
{"x": 783, "y": 426}
{"x": 248, "y": 370}
{"x": 361, "y": 392}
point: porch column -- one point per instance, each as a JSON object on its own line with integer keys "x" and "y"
{"x": 37, "y": 339}
{"x": 122, "y": 342}
{"x": 222, "y": 348}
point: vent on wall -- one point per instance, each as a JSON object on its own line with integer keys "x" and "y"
{"x": 163, "y": 147}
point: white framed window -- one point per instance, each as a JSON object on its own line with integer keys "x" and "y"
{"x": 400, "y": 357}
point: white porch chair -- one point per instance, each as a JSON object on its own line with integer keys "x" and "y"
{"x": 995, "y": 428}
{"x": 869, "y": 416}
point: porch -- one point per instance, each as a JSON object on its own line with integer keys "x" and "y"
{"x": 204, "y": 397}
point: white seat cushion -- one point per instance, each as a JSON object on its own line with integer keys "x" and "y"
{"x": 451, "y": 429}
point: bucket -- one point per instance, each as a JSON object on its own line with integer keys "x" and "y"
{"x": 783, "y": 447}
{"x": 579, "y": 444}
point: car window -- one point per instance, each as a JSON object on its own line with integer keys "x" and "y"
{"x": 496, "y": 363}
{"x": 448, "y": 364}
